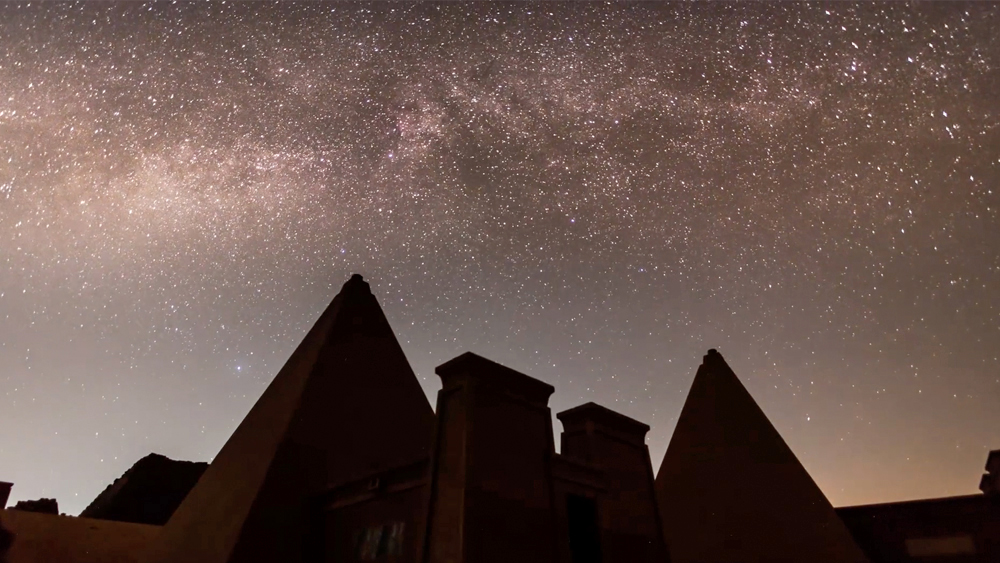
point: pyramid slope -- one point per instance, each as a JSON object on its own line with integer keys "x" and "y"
{"x": 731, "y": 490}
{"x": 346, "y": 404}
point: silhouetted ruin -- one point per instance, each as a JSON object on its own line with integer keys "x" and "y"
{"x": 963, "y": 528}
{"x": 342, "y": 459}
{"x": 42, "y": 505}
{"x": 148, "y": 493}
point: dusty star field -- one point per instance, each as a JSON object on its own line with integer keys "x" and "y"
{"x": 592, "y": 194}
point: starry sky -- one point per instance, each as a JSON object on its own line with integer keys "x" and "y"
{"x": 591, "y": 194}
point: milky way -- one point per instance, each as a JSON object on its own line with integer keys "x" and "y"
{"x": 592, "y": 194}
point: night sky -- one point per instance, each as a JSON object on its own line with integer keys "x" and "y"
{"x": 591, "y": 194}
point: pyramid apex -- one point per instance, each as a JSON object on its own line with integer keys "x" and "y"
{"x": 713, "y": 356}
{"x": 356, "y": 284}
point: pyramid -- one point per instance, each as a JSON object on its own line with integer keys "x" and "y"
{"x": 345, "y": 405}
{"x": 730, "y": 490}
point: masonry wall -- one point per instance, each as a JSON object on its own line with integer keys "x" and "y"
{"x": 963, "y": 529}
{"x": 52, "y": 538}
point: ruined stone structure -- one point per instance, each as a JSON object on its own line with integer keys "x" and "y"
{"x": 148, "y": 493}
{"x": 42, "y": 506}
{"x": 953, "y": 529}
{"x": 342, "y": 459}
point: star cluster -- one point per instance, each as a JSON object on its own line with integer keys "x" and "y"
{"x": 593, "y": 194}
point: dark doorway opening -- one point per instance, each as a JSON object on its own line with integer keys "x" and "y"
{"x": 584, "y": 534}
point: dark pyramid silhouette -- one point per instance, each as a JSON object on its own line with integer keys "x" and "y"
{"x": 731, "y": 491}
{"x": 345, "y": 405}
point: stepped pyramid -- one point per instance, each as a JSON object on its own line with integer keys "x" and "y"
{"x": 345, "y": 405}
{"x": 731, "y": 491}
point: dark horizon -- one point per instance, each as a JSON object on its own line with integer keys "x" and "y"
{"x": 593, "y": 195}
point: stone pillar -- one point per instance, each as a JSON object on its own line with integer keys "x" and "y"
{"x": 491, "y": 487}
{"x": 631, "y": 529}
